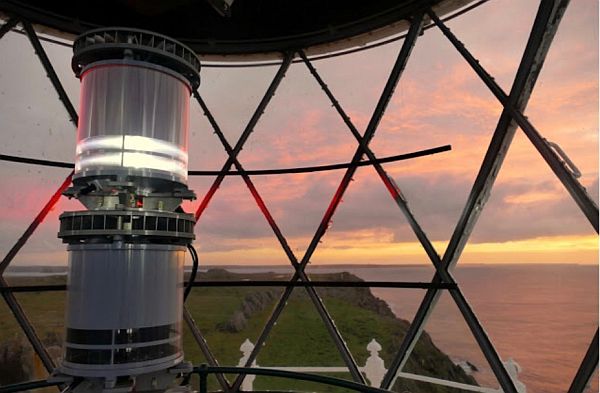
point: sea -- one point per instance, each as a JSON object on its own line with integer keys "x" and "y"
{"x": 543, "y": 317}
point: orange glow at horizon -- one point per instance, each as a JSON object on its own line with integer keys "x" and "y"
{"x": 439, "y": 100}
{"x": 361, "y": 249}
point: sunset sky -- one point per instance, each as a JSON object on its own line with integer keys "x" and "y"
{"x": 530, "y": 218}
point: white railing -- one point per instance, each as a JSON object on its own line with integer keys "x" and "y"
{"x": 374, "y": 370}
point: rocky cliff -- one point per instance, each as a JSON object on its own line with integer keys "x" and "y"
{"x": 227, "y": 316}
{"x": 427, "y": 359}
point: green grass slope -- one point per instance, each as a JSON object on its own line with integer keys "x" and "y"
{"x": 228, "y": 316}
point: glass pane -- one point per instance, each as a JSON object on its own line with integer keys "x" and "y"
{"x": 447, "y": 349}
{"x": 299, "y": 340}
{"x": 18, "y": 361}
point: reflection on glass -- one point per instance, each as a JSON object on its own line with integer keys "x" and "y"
{"x": 134, "y": 117}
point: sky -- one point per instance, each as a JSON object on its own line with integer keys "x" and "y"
{"x": 529, "y": 218}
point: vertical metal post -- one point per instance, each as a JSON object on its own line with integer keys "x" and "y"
{"x": 203, "y": 373}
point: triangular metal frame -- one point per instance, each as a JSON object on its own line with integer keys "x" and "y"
{"x": 545, "y": 26}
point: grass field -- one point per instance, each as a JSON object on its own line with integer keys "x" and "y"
{"x": 298, "y": 339}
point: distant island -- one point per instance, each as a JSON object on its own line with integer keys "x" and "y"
{"x": 228, "y": 316}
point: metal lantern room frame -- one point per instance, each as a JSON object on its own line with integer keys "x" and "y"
{"x": 546, "y": 23}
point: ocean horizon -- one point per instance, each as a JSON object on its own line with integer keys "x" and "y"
{"x": 542, "y": 316}
{"x": 62, "y": 266}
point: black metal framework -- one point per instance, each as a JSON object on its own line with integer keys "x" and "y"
{"x": 343, "y": 52}
{"x": 543, "y": 30}
{"x": 255, "y": 172}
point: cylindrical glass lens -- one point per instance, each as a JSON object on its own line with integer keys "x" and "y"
{"x": 133, "y": 120}
{"x": 135, "y": 326}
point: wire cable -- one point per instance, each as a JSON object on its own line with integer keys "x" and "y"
{"x": 257, "y": 172}
{"x": 192, "y": 278}
{"x": 35, "y": 161}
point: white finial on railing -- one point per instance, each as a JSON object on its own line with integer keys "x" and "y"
{"x": 375, "y": 370}
{"x": 513, "y": 368}
{"x": 374, "y": 367}
{"x": 246, "y": 349}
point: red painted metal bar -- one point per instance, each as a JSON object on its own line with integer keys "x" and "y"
{"x": 12, "y": 302}
{"x": 232, "y": 159}
{"x": 255, "y": 194}
{"x": 545, "y": 25}
{"x": 246, "y": 133}
{"x": 35, "y": 223}
{"x": 394, "y": 77}
{"x": 382, "y": 103}
{"x": 389, "y": 183}
{"x": 327, "y": 320}
{"x": 435, "y": 258}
